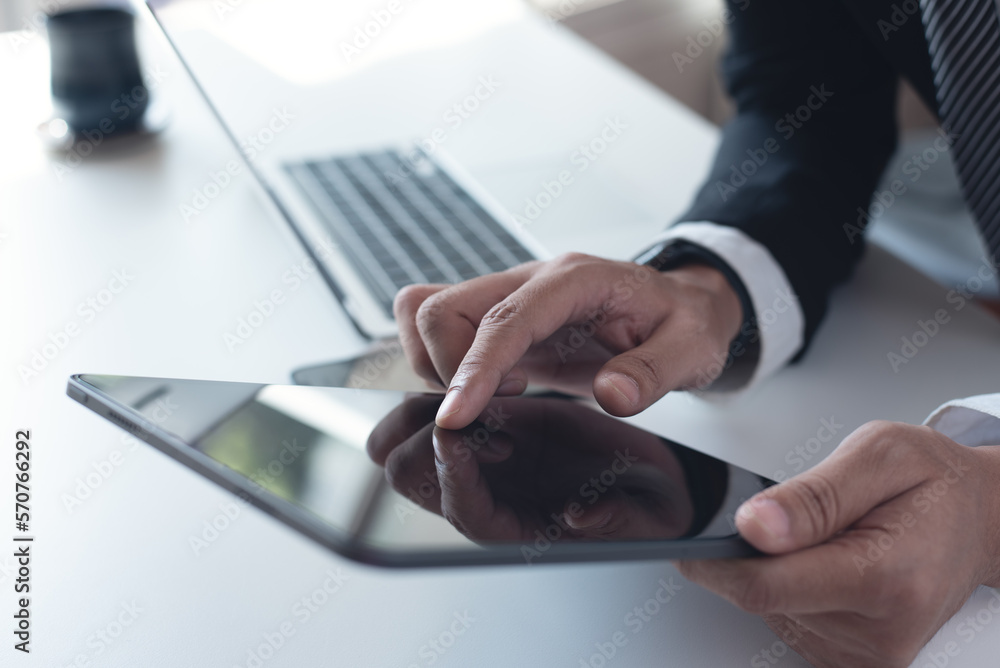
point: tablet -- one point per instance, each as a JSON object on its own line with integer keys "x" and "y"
{"x": 535, "y": 480}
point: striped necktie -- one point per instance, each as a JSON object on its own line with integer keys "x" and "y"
{"x": 964, "y": 41}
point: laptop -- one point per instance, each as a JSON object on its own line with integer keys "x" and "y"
{"x": 382, "y": 217}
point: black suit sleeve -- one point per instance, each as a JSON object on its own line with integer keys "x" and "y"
{"x": 814, "y": 128}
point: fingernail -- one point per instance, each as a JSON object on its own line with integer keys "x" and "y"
{"x": 769, "y": 514}
{"x": 625, "y": 386}
{"x": 452, "y": 403}
{"x": 511, "y": 386}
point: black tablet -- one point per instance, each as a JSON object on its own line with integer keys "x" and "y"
{"x": 366, "y": 473}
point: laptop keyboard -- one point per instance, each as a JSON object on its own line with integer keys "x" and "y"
{"x": 400, "y": 222}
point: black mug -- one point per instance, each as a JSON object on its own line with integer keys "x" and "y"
{"x": 97, "y": 83}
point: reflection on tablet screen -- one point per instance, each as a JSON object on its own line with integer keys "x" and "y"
{"x": 532, "y": 471}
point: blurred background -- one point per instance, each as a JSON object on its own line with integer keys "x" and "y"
{"x": 650, "y": 37}
{"x": 641, "y": 34}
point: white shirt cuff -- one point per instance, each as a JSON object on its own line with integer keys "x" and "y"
{"x": 779, "y": 316}
{"x": 972, "y": 421}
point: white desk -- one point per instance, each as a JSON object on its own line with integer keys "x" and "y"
{"x": 128, "y": 541}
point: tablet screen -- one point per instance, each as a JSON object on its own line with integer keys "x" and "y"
{"x": 531, "y": 472}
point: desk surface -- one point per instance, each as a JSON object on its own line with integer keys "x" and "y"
{"x": 116, "y": 579}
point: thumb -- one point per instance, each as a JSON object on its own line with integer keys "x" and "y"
{"x": 632, "y": 381}
{"x": 865, "y": 471}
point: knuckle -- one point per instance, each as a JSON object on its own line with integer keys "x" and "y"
{"x": 502, "y": 314}
{"x": 928, "y": 441}
{"x": 569, "y": 260}
{"x": 878, "y": 433}
{"x": 431, "y": 314}
{"x": 883, "y": 443}
{"x": 407, "y": 299}
{"x": 874, "y": 440}
{"x": 820, "y": 501}
{"x": 410, "y": 298}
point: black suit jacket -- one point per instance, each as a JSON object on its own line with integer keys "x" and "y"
{"x": 822, "y": 166}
